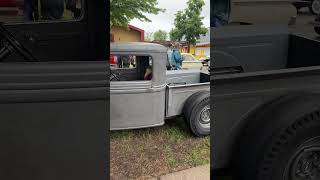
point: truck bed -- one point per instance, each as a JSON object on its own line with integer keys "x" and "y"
{"x": 275, "y": 63}
{"x": 261, "y": 48}
{"x": 181, "y": 84}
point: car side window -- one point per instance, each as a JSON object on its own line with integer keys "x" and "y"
{"x": 28, "y": 11}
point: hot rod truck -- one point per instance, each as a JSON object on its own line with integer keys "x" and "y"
{"x": 137, "y": 102}
{"x": 53, "y": 93}
{"x": 266, "y": 110}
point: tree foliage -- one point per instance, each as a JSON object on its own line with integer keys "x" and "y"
{"x": 123, "y": 11}
{"x": 177, "y": 33}
{"x": 160, "y": 36}
{"x": 188, "y": 24}
{"x": 149, "y": 36}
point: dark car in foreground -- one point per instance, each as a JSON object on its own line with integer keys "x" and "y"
{"x": 53, "y": 92}
{"x": 266, "y": 115}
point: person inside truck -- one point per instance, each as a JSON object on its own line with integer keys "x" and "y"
{"x": 220, "y": 11}
{"x": 71, "y": 5}
{"x": 148, "y": 73}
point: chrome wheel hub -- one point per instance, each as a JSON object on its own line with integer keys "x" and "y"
{"x": 205, "y": 116}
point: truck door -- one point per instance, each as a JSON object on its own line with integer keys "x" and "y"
{"x": 135, "y": 99}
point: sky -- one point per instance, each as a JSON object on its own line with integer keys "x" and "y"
{"x": 164, "y": 21}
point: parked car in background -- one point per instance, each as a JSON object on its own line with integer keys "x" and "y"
{"x": 190, "y": 62}
{"x": 113, "y": 61}
{"x": 313, "y": 5}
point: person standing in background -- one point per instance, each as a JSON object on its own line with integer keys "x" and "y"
{"x": 176, "y": 56}
{"x": 29, "y": 9}
{"x": 220, "y": 12}
{"x": 71, "y": 5}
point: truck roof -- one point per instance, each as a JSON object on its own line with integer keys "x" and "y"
{"x": 137, "y": 47}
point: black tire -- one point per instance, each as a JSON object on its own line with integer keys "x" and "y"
{"x": 311, "y": 7}
{"x": 278, "y": 158}
{"x": 193, "y": 108}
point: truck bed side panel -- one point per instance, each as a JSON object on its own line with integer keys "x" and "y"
{"x": 176, "y": 96}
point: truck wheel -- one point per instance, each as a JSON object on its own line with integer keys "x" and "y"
{"x": 197, "y": 113}
{"x": 315, "y": 7}
{"x": 292, "y": 154}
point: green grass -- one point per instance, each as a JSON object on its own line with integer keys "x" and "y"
{"x": 155, "y": 151}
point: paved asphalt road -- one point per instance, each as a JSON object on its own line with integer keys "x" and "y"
{"x": 302, "y": 28}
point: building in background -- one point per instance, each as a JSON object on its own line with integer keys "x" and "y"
{"x": 130, "y": 34}
{"x": 202, "y": 47}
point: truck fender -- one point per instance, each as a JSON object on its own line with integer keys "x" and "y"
{"x": 262, "y": 123}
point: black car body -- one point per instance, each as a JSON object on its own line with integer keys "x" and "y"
{"x": 268, "y": 81}
{"x": 54, "y": 96}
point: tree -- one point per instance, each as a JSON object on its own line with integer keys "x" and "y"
{"x": 123, "y": 11}
{"x": 149, "y": 36}
{"x": 160, "y": 36}
{"x": 188, "y": 23}
{"x": 180, "y": 21}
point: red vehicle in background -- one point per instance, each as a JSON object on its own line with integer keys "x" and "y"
{"x": 8, "y": 3}
{"x": 113, "y": 61}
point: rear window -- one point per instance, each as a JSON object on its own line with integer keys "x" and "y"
{"x": 26, "y": 11}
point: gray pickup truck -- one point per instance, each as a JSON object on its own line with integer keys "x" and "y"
{"x": 265, "y": 90}
{"x": 139, "y": 102}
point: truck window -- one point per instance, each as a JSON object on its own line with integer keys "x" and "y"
{"x": 131, "y": 67}
{"x": 28, "y": 11}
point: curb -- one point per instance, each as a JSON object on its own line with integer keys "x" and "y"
{"x": 196, "y": 173}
